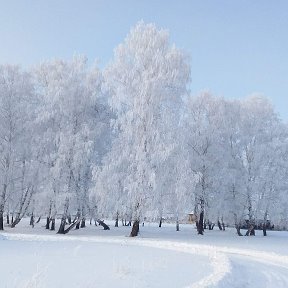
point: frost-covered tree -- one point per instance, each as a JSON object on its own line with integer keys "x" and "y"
{"x": 74, "y": 125}
{"x": 16, "y": 152}
{"x": 203, "y": 126}
{"x": 262, "y": 152}
{"x": 258, "y": 128}
{"x": 146, "y": 80}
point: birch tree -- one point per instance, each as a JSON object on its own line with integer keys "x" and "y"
{"x": 16, "y": 91}
{"x": 146, "y": 78}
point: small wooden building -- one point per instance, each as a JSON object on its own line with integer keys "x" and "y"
{"x": 191, "y": 217}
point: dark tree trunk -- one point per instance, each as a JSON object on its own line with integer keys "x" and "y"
{"x": 135, "y": 229}
{"x": 61, "y": 229}
{"x": 32, "y": 220}
{"x": 223, "y": 226}
{"x": 201, "y": 223}
{"x": 38, "y": 220}
{"x": 204, "y": 225}
{"x": 7, "y": 219}
{"x": 264, "y": 229}
{"x": 238, "y": 230}
{"x": 122, "y": 220}
{"x": 64, "y": 217}
{"x": 52, "y": 224}
{"x": 15, "y": 222}
{"x": 265, "y": 223}
{"x": 160, "y": 222}
{"x": 75, "y": 223}
{"x": 1, "y": 221}
{"x": 48, "y": 219}
{"x": 177, "y": 226}
{"x": 200, "y": 227}
{"x": 77, "y": 226}
{"x": 69, "y": 219}
{"x": 83, "y": 224}
{"x": 117, "y": 220}
{"x": 219, "y": 225}
{"x": 104, "y": 225}
{"x": 250, "y": 231}
{"x": 47, "y": 223}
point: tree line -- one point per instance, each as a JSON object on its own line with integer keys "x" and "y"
{"x": 130, "y": 142}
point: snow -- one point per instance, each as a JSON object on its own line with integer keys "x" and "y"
{"x": 159, "y": 257}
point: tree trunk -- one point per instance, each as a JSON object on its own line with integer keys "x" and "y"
{"x": 201, "y": 224}
{"x": 83, "y": 224}
{"x": 48, "y": 219}
{"x": 25, "y": 203}
{"x": 117, "y": 220}
{"x": 177, "y": 226}
{"x": 7, "y": 219}
{"x": 265, "y": 223}
{"x": 16, "y": 221}
{"x": 38, "y": 220}
{"x": 2, "y": 204}
{"x": 219, "y": 225}
{"x": 47, "y": 223}
{"x": 72, "y": 226}
{"x": 160, "y": 222}
{"x": 77, "y": 226}
{"x": 1, "y": 221}
{"x": 64, "y": 217}
{"x": 238, "y": 230}
{"x": 104, "y": 225}
{"x": 52, "y": 224}
{"x": 264, "y": 229}
{"x": 61, "y": 229}
{"x": 210, "y": 225}
{"x": 250, "y": 231}
{"x": 135, "y": 229}
{"x": 76, "y": 221}
{"x": 32, "y": 220}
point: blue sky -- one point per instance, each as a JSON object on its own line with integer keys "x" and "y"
{"x": 236, "y": 47}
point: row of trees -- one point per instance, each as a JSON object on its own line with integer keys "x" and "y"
{"x": 131, "y": 142}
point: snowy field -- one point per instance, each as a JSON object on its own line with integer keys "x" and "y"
{"x": 159, "y": 257}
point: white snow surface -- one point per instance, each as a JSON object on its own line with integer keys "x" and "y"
{"x": 158, "y": 257}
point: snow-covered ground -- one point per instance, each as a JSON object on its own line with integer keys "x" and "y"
{"x": 159, "y": 257}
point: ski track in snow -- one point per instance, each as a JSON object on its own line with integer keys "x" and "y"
{"x": 231, "y": 266}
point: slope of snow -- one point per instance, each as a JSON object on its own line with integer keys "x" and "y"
{"x": 92, "y": 257}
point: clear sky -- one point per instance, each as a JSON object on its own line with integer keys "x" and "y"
{"x": 236, "y": 47}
